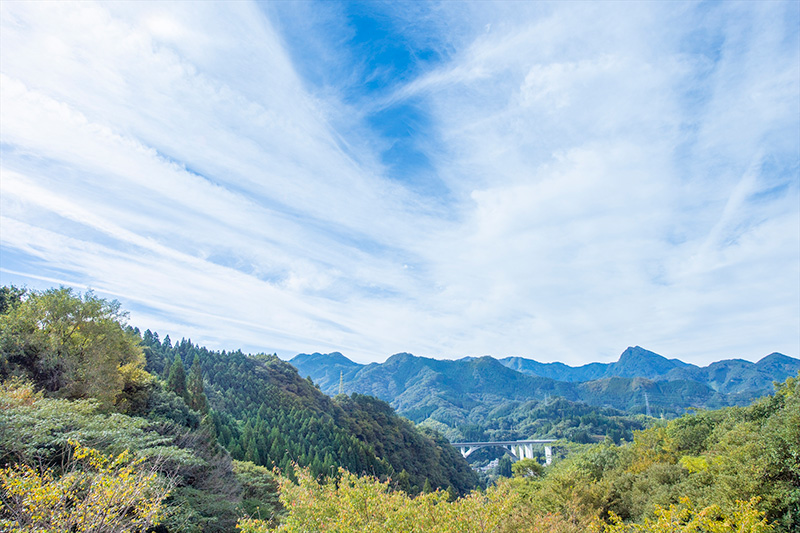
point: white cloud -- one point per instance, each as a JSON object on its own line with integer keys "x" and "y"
{"x": 620, "y": 175}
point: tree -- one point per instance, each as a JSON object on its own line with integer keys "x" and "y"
{"x": 684, "y": 518}
{"x": 95, "y": 493}
{"x": 528, "y": 468}
{"x": 197, "y": 396}
{"x": 10, "y": 297}
{"x": 71, "y": 345}
{"x": 355, "y": 504}
{"x": 176, "y": 382}
{"x": 504, "y": 467}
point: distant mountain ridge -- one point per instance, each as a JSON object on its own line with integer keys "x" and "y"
{"x": 453, "y": 391}
{"x": 727, "y": 376}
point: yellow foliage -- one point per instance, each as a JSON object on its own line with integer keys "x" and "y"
{"x": 96, "y": 493}
{"x": 651, "y": 446}
{"x": 694, "y": 464}
{"x": 684, "y": 518}
{"x": 17, "y": 392}
{"x": 364, "y": 504}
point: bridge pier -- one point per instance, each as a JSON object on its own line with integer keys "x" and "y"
{"x": 467, "y": 450}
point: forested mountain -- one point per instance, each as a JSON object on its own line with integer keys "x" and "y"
{"x": 633, "y": 362}
{"x": 733, "y": 469}
{"x": 264, "y": 412}
{"x": 193, "y": 434}
{"x": 728, "y": 376}
{"x": 73, "y": 389}
{"x": 92, "y": 439}
{"x": 483, "y": 391}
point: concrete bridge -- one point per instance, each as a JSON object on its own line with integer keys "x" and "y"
{"x": 519, "y": 449}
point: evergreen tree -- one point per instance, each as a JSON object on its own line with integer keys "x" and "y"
{"x": 504, "y": 467}
{"x": 176, "y": 382}
{"x": 197, "y": 396}
{"x": 426, "y": 488}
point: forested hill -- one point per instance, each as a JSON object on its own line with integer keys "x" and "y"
{"x": 671, "y": 384}
{"x": 264, "y": 412}
{"x": 496, "y": 398}
{"x": 92, "y": 441}
{"x": 728, "y": 376}
{"x": 195, "y": 432}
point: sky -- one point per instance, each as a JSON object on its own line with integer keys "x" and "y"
{"x": 556, "y": 181}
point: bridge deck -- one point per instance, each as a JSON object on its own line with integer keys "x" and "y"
{"x": 504, "y": 442}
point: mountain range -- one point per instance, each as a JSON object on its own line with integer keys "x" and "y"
{"x": 466, "y": 390}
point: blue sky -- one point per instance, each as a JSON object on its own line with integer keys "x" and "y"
{"x": 556, "y": 181}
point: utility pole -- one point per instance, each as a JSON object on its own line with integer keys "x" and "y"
{"x": 341, "y": 381}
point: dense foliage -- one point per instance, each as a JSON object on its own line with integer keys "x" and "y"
{"x": 735, "y": 469}
{"x": 71, "y": 371}
{"x": 364, "y": 504}
{"x": 147, "y": 449}
{"x": 93, "y": 492}
{"x": 265, "y": 413}
{"x": 555, "y": 418}
{"x": 711, "y": 458}
{"x": 49, "y": 341}
{"x": 74, "y": 346}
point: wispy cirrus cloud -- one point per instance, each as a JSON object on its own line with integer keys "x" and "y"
{"x": 556, "y": 181}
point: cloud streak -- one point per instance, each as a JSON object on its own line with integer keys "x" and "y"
{"x": 594, "y": 177}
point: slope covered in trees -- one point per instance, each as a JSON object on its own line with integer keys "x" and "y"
{"x": 72, "y": 378}
{"x": 209, "y": 427}
{"x": 504, "y": 396}
{"x": 734, "y": 469}
{"x": 264, "y": 412}
{"x": 141, "y": 452}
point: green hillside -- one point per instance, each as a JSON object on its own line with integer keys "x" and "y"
{"x": 734, "y": 469}
{"x": 264, "y": 412}
{"x": 208, "y": 426}
{"x": 457, "y": 396}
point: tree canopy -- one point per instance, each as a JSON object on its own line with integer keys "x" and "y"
{"x": 75, "y": 345}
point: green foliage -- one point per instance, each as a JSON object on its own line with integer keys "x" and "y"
{"x": 55, "y": 346}
{"x": 176, "y": 382}
{"x": 424, "y": 454}
{"x": 529, "y": 468}
{"x": 73, "y": 346}
{"x": 365, "y": 504}
{"x": 93, "y": 492}
{"x": 10, "y": 297}
{"x": 716, "y": 459}
{"x": 196, "y": 393}
{"x": 259, "y": 491}
{"x": 504, "y": 467}
{"x": 262, "y": 411}
{"x": 38, "y": 430}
